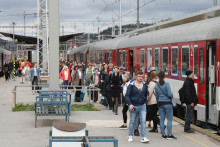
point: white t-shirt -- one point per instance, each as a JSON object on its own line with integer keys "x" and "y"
{"x": 80, "y": 74}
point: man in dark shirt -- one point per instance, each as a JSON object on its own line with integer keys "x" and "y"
{"x": 191, "y": 99}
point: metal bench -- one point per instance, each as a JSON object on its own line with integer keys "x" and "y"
{"x": 57, "y": 93}
{"x": 53, "y": 104}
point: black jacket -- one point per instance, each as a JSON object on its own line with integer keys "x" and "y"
{"x": 17, "y": 65}
{"x": 107, "y": 82}
{"x": 116, "y": 81}
{"x": 190, "y": 91}
{"x": 11, "y": 66}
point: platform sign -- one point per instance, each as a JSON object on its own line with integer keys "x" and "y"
{"x": 26, "y": 47}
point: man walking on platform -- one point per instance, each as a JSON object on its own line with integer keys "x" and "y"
{"x": 190, "y": 99}
{"x": 136, "y": 97}
{"x": 34, "y": 75}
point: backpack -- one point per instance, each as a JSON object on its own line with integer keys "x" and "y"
{"x": 181, "y": 95}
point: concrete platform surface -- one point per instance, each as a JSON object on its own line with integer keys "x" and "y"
{"x": 17, "y": 128}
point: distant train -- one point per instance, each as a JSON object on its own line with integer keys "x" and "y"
{"x": 5, "y": 55}
{"x": 173, "y": 49}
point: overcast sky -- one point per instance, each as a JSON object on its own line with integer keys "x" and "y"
{"x": 83, "y": 15}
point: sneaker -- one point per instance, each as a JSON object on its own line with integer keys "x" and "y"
{"x": 145, "y": 140}
{"x": 164, "y": 136}
{"x": 123, "y": 127}
{"x": 130, "y": 138}
{"x": 136, "y": 133}
{"x": 171, "y": 137}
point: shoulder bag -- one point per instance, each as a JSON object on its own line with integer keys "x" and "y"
{"x": 171, "y": 98}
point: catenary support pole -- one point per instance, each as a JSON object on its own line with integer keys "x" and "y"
{"x": 54, "y": 44}
{"x": 215, "y": 3}
{"x": 120, "y": 29}
{"x": 138, "y": 21}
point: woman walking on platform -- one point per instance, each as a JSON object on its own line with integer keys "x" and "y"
{"x": 163, "y": 92}
{"x": 127, "y": 81}
{"x": 152, "y": 107}
{"x": 6, "y": 71}
{"x": 116, "y": 87}
{"x": 78, "y": 81}
{"x": 25, "y": 72}
{"x": 65, "y": 76}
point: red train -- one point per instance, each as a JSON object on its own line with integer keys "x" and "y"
{"x": 174, "y": 47}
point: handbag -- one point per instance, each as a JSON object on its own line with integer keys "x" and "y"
{"x": 171, "y": 98}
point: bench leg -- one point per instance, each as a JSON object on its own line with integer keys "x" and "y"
{"x": 35, "y": 121}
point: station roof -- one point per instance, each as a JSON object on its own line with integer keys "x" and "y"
{"x": 33, "y": 40}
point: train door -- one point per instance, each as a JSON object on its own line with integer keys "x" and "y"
{"x": 211, "y": 113}
{"x": 131, "y": 63}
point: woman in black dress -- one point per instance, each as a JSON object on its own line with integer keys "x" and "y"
{"x": 116, "y": 89}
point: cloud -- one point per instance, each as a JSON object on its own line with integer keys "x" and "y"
{"x": 81, "y": 15}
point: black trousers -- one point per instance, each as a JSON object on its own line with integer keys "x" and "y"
{"x": 124, "y": 112}
{"x": 78, "y": 92}
{"x": 19, "y": 73}
{"x": 152, "y": 111}
{"x": 35, "y": 83}
{"x": 7, "y": 75}
{"x": 109, "y": 98}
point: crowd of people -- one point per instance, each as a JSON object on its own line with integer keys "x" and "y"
{"x": 16, "y": 68}
{"x": 142, "y": 95}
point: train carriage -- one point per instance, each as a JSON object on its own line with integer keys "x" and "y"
{"x": 189, "y": 46}
{"x": 174, "y": 50}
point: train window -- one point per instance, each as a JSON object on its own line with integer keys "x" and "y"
{"x": 157, "y": 59}
{"x": 165, "y": 60}
{"x": 195, "y": 61}
{"x": 201, "y": 65}
{"x": 142, "y": 67}
{"x": 110, "y": 57}
{"x": 149, "y": 59}
{"x": 107, "y": 58}
{"x": 123, "y": 58}
{"x": 185, "y": 60}
{"x": 174, "y": 60}
{"x": 119, "y": 58}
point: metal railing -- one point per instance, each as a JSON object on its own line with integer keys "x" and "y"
{"x": 43, "y": 87}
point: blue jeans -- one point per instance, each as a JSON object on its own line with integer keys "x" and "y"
{"x": 141, "y": 111}
{"x": 65, "y": 83}
{"x": 188, "y": 117}
{"x": 137, "y": 122}
{"x": 166, "y": 110}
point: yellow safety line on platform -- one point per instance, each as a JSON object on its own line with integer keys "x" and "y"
{"x": 201, "y": 130}
{"x": 195, "y": 140}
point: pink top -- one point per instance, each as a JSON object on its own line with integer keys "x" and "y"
{"x": 96, "y": 80}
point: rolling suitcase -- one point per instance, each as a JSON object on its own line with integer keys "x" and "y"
{"x": 82, "y": 95}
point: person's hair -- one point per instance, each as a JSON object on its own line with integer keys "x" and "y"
{"x": 161, "y": 77}
{"x": 139, "y": 72}
{"x": 128, "y": 76}
{"x": 75, "y": 67}
{"x": 152, "y": 76}
{"x": 65, "y": 67}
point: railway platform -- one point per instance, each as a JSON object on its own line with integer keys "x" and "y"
{"x": 17, "y": 128}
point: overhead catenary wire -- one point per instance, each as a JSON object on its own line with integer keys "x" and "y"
{"x": 131, "y": 11}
